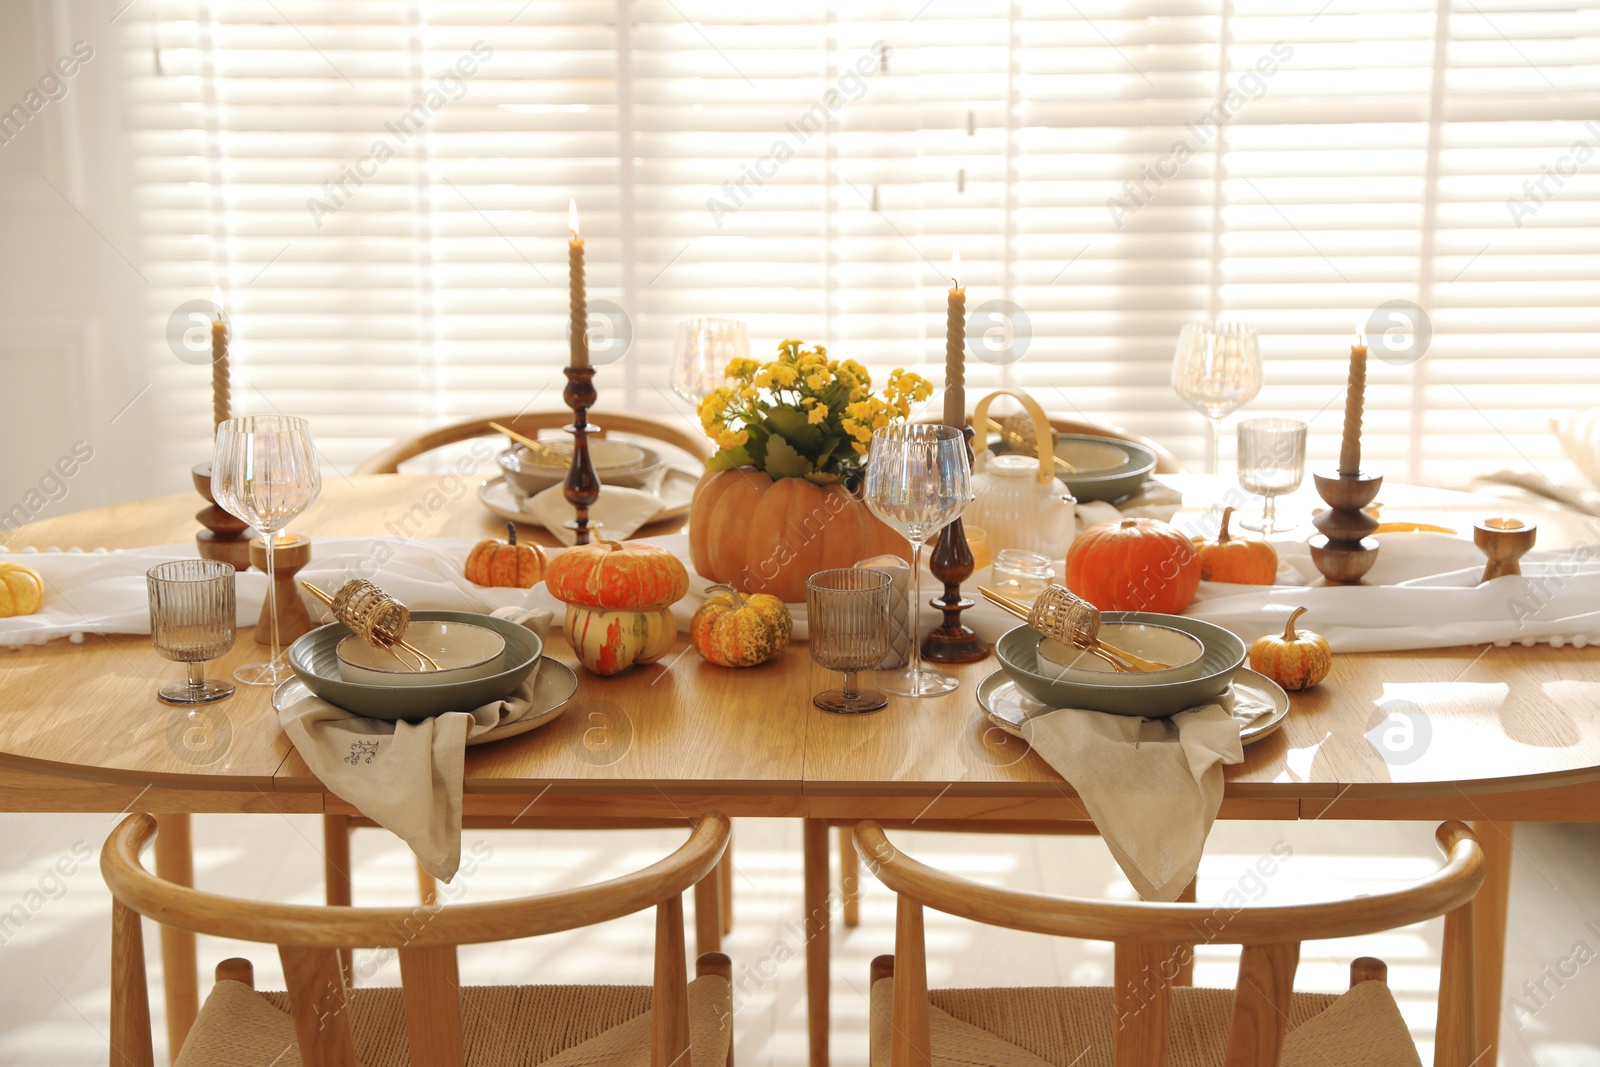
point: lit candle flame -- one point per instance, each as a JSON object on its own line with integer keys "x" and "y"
{"x": 955, "y": 266}
{"x": 572, "y": 217}
{"x": 1361, "y": 336}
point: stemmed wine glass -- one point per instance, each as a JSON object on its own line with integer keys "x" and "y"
{"x": 701, "y": 352}
{"x": 918, "y": 481}
{"x": 265, "y": 472}
{"x": 1272, "y": 462}
{"x": 1216, "y": 369}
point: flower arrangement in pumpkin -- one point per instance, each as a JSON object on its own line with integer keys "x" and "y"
{"x": 803, "y": 415}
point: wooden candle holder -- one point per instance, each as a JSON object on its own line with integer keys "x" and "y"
{"x": 288, "y": 556}
{"x": 1343, "y": 551}
{"x": 952, "y": 564}
{"x": 225, "y": 537}
{"x": 582, "y": 487}
{"x": 1504, "y": 541}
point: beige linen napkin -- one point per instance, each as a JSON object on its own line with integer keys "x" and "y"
{"x": 1152, "y": 786}
{"x": 405, "y": 776}
{"x": 619, "y": 511}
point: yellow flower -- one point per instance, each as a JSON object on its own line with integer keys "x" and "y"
{"x": 741, "y": 367}
{"x": 732, "y": 438}
{"x": 860, "y": 447}
{"x": 817, "y": 382}
{"x": 763, "y": 378}
{"x": 819, "y": 415}
{"x": 783, "y": 375}
{"x": 860, "y": 409}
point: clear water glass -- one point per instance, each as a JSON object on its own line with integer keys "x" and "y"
{"x": 848, "y": 626}
{"x": 265, "y": 472}
{"x": 918, "y": 481}
{"x": 1272, "y": 462}
{"x": 193, "y": 620}
{"x": 701, "y": 352}
{"x": 1216, "y": 369}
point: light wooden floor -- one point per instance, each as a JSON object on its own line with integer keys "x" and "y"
{"x": 54, "y": 954}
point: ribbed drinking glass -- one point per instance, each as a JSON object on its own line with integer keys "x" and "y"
{"x": 847, "y": 620}
{"x": 193, "y": 615}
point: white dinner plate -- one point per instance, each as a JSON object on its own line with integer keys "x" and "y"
{"x": 676, "y": 492}
{"x": 553, "y": 685}
{"x": 1010, "y": 708}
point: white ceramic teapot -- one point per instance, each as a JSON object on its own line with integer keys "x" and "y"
{"x": 1018, "y": 499}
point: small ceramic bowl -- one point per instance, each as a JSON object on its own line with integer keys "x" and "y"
{"x": 615, "y": 463}
{"x": 465, "y": 652}
{"x": 1067, "y": 663}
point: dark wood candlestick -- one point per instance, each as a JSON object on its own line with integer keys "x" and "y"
{"x": 582, "y": 487}
{"x": 952, "y": 563}
{"x": 225, "y": 537}
{"x": 1343, "y": 551}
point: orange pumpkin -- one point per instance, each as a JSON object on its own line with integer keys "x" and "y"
{"x": 1134, "y": 565}
{"x": 617, "y": 576}
{"x": 732, "y": 630}
{"x": 1297, "y": 660}
{"x": 1244, "y": 562}
{"x": 765, "y": 535}
{"x": 509, "y": 565}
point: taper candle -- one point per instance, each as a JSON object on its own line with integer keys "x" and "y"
{"x": 221, "y": 389}
{"x": 955, "y": 344}
{"x": 1354, "y": 401}
{"x": 578, "y": 324}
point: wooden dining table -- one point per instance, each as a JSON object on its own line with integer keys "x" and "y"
{"x": 1515, "y": 735}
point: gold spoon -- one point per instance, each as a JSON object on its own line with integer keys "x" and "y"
{"x": 1012, "y": 607}
{"x": 532, "y": 444}
{"x": 1051, "y": 626}
{"x": 379, "y": 638}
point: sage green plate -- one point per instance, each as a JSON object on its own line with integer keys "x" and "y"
{"x": 315, "y": 662}
{"x": 1018, "y": 652}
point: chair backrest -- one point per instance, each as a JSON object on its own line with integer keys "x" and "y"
{"x": 1166, "y": 462}
{"x": 387, "y": 460}
{"x": 425, "y": 938}
{"x": 1154, "y": 940}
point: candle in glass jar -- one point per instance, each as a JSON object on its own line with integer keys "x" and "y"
{"x": 578, "y": 325}
{"x": 221, "y": 390}
{"x": 955, "y": 343}
{"x": 1354, "y": 401}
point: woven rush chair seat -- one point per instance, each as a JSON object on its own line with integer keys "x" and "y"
{"x": 502, "y": 1026}
{"x": 1073, "y": 1027}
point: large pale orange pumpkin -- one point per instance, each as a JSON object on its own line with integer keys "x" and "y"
{"x": 765, "y": 535}
{"x": 1242, "y": 561}
{"x": 617, "y": 576}
{"x": 1134, "y": 565}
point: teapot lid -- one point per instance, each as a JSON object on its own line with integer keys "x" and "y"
{"x": 1013, "y": 466}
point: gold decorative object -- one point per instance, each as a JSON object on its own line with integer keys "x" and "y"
{"x": 1061, "y": 614}
{"x": 1504, "y": 541}
{"x": 378, "y": 617}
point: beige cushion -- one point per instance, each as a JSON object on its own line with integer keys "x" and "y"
{"x": 502, "y": 1026}
{"x": 1073, "y": 1027}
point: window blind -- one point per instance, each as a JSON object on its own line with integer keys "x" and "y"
{"x": 379, "y": 190}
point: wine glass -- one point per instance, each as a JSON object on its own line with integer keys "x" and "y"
{"x": 847, "y": 626}
{"x": 1272, "y": 461}
{"x": 265, "y": 472}
{"x": 918, "y": 481}
{"x": 701, "y": 353}
{"x": 1216, "y": 369}
{"x": 193, "y": 619}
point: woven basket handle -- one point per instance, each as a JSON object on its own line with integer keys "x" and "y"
{"x": 1043, "y": 432}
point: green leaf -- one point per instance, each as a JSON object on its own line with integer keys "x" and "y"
{"x": 791, "y": 422}
{"x": 726, "y": 459}
{"x": 824, "y": 477}
{"x": 783, "y": 461}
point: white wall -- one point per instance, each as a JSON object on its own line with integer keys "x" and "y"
{"x": 71, "y": 352}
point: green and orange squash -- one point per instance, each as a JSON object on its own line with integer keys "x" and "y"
{"x": 618, "y": 597}
{"x": 733, "y": 630}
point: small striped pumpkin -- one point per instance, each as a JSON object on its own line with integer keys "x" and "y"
{"x": 732, "y": 630}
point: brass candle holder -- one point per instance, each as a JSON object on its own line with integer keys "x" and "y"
{"x": 1504, "y": 542}
{"x": 225, "y": 537}
{"x": 582, "y": 487}
{"x": 951, "y": 563}
{"x": 1344, "y": 551}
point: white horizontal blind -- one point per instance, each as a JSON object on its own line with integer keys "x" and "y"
{"x": 809, "y": 168}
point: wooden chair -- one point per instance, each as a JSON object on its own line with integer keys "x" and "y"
{"x": 714, "y": 896}
{"x": 1144, "y": 1020}
{"x": 431, "y": 1021}
{"x": 387, "y": 460}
